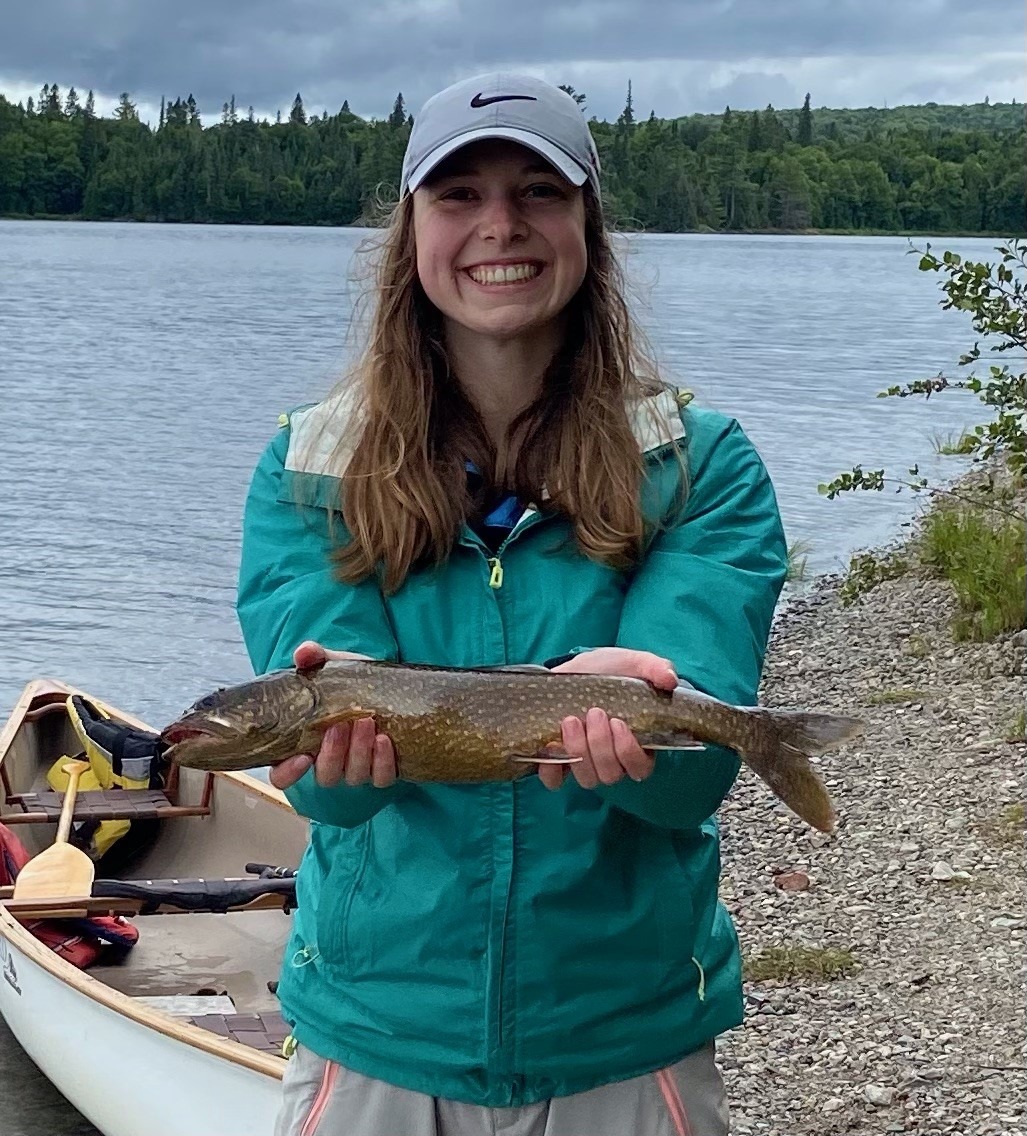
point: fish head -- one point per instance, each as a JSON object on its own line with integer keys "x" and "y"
{"x": 241, "y": 727}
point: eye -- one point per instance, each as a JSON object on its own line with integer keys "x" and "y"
{"x": 544, "y": 189}
{"x": 457, "y": 193}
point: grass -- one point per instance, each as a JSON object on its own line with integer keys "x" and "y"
{"x": 798, "y": 556}
{"x": 982, "y": 554}
{"x": 866, "y": 571}
{"x": 1018, "y": 730}
{"x": 897, "y": 696}
{"x": 949, "y": 444}
{"x": 1005, "y": 829}
{"x": 786, "y": 962}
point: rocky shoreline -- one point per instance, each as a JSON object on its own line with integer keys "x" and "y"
{"x": 916, "y": 907}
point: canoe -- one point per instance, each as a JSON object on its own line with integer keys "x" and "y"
{"x": 179, "y": 1035}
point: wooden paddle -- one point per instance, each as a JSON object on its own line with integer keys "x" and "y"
{"x": 61, "y": 869}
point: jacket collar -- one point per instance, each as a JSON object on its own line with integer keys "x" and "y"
{"x": 323, "y": 436}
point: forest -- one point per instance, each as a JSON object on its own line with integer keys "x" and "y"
{"x": 923, "y": 169}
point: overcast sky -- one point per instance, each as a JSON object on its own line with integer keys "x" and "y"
{"x": 682, "y": 56}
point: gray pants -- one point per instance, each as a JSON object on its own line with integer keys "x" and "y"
{"x": 322, "y": 1098}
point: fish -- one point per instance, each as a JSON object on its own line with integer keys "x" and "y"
{"x": 496, "y": 723}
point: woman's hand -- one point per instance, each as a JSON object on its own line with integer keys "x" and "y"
{"x": 352, "y": 750}
{"x": 606, "y": 747}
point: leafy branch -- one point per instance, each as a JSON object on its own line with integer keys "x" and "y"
{"x": 995, "y": 297}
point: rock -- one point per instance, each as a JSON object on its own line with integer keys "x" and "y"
{"x": 879, "y": 1095}
{"x": 942, "y": 871}
{"x": 796, "y": 880}
{"x": 832, "y": 1104}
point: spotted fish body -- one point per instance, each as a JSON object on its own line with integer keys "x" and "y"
{"x": 494, "y": 724}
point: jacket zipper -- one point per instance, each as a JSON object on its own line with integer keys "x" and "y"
{"x": 496, "y": 575}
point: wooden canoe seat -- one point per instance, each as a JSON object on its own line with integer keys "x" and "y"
{"x": 265, "y": 1032}
{"x": 44, "y": 807}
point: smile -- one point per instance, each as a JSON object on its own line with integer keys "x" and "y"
{"x": 503, "y": 273}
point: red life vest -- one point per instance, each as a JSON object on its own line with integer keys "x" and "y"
{"x": 79, "y": 941}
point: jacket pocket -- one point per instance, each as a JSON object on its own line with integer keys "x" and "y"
{"x": 341, "y": 885}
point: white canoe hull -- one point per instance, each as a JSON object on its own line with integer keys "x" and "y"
{"x": 123, "y": 1075}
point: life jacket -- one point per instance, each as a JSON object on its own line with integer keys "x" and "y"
{"x": 119, "y": 756}
{"x": 80, "y": 941}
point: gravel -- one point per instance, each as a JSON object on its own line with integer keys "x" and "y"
{"x": 926, "y": 1035}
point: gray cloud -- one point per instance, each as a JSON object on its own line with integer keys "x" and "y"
{"x": 682, "y": 55}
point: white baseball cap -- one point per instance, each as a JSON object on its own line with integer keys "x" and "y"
{"x": 520, "y": 108}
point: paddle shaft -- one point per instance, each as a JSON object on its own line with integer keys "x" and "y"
{"x": 74, "y": 770}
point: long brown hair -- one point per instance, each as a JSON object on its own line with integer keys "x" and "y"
{"x": 404, "y": 492}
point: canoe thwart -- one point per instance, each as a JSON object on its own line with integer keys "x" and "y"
{"x": 156, "y": 897}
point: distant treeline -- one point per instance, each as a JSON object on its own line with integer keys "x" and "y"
{"x": 932, "y": 168}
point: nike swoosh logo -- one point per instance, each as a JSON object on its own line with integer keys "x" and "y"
{"x": 478, "y": 101}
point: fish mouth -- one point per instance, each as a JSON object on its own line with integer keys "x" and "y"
{"x": 179, "y": 732}
{"x": 187, "y": 737}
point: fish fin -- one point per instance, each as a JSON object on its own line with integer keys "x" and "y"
{"x": 551, "y": 755}
{"x": 669, "y": 739}
{"x": 518, "y": 668}
{"x": 781, "y": 758}
{"x": 349, "y": 715}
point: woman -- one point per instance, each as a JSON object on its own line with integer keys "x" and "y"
{"x": 504, "y": 480}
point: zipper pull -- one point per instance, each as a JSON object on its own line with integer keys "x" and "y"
{"x": 496, "y": 577}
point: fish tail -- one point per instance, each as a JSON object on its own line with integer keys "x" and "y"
{"x": 784, "y": 742}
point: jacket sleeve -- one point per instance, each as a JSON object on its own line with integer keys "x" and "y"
{"x": 287, "y": 593}
{"x": 704, "y": 597}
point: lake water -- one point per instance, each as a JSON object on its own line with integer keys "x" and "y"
{"x": 143, "y": 368}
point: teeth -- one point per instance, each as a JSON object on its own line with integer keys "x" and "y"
{"x": 503, "y": 274}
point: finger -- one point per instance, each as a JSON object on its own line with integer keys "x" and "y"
{"x": 361, "y": 747}
{"x": 576, "y": 745}
{"x": 361, "y": 752}
{"x": 287, "y": 772}
{"x": 630, "y": 754}
{"x": 552, "y": 776}
{"x": 383, "y": 765}
{"x": 309, "y": 655}
{"x": 600, "y": 745}
{"x": 662, "y": 672}
{"x": 330, "y": 766}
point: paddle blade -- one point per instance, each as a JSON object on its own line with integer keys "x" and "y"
{"x": 60, "y": 870}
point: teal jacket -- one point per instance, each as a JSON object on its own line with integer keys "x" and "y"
{"x": 502, "y": 943}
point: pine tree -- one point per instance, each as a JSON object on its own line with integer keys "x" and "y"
{"x": 755, "y": 132}
{"x": 53, "y": 109}
{"x": 627, "y": 115}
{"x": 298, "y": 115}
{"x": 804, "y": 135}
{"x": 71, "y": 104}
{"x": 399, "y": 115}
{"x": 89, "y": 111}
{"x": 194, "y": 111}
{"x": 160, "y": 121}
{"x": 251, "y": 115}
{"x": 126, "y": 111}
{"x": 30, "y": 107}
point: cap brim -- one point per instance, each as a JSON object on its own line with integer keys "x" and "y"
{"x": 556, "y": 157}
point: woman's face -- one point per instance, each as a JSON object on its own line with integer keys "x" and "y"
{"x": 500, "y": 239}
